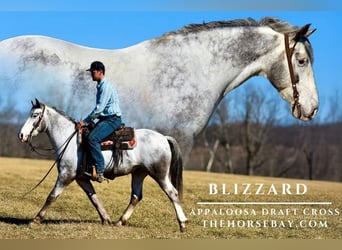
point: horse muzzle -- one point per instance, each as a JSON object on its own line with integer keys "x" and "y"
{"x": 23, "y": 138}
{"x": 299, "y": 112}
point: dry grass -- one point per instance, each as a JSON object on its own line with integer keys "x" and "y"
{"x": 73, "y": 217}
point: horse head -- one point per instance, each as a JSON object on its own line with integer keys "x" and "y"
{"x": 292, "y": 74}
{"x": 34, "y": 123}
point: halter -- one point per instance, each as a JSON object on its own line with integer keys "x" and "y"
{"x": 289, "y": 53}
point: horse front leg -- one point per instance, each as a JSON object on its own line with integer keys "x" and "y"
{"x": 88, "y": 188}
{"x": 52, "y": 197}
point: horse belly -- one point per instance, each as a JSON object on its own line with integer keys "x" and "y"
{"x": 123, "y": 168}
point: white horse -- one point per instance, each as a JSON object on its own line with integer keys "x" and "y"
{"x": 172, "y": 83}
{"x": 155, "y": 155}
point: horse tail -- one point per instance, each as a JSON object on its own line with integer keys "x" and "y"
{"x": 176, "y": 168}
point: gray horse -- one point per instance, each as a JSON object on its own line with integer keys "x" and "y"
{"x": 155, "y": 155}
{"x": 172, "y": 83}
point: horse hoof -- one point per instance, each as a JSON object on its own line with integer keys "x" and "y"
{"x": 34, "y": 222}
{"x": 182, "y": 229}
{"x": 106, "y": 222}
{"x": 182, "y": 226}
{"x": 120, "y": 223}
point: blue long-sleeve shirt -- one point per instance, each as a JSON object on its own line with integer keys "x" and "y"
{"x": 107, "y": 102}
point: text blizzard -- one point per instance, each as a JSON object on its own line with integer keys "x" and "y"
{"x": 257, "y": 189}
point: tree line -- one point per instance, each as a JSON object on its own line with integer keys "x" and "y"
{"x": 249, "y": 137}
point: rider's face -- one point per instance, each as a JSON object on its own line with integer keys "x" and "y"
{"x": 97, "y": 75}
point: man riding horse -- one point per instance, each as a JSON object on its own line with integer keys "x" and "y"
{"x": 107, "y": 111}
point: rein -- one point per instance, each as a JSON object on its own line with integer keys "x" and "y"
{"x": 59, "y": 158}
{"x": 289, "y": 54}
{"x": 35, "y": 149}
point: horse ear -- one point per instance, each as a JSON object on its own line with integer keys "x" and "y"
{"x": 32, "y": 103}
{"x": 309, "y": 32}
{"x": 304, "y": 32}
{"x": 37, "y": 103}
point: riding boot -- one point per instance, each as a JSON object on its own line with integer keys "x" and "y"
{"x": 95, "y": 176}
{"x": 100, "y": 178}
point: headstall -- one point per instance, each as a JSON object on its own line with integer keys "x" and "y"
{"x": 289, "y": 53}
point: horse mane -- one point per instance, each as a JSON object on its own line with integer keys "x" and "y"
{"x": 274, "y": 23}
{"x": 271, "y": 22}
{"x": 64, "y": 114}
{"x": 39, "y": 105}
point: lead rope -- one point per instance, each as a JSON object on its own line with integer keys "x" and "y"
{"x": 59, "y": 158}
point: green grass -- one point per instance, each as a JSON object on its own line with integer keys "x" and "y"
{"x": 73, "y": 216}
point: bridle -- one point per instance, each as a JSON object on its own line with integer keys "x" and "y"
{"x": 36, "y": 126}
{"x": 289, "y": 53}
{"x": 38, "y": 123}
{"x": 60, "y": 151}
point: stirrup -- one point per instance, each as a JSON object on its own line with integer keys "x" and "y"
{"x": 92, "y": 175}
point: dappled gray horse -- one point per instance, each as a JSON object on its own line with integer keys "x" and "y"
{"x": 172, "y": 83}
{"x": 155, "y": 155}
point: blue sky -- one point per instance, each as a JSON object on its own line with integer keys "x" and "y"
{"x": 111, "y": 24}
{"x": 174, "y": 5}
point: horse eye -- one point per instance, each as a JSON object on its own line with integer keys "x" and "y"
{"x": 302, "y": 61}
{"x": 34, "y": 115}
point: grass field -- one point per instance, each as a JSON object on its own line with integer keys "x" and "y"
{"x": 73, "y": 217}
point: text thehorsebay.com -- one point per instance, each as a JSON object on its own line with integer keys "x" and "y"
{"x": 288, "y": 209}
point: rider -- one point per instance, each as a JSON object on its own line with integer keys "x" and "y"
{"x": 107, "y": 111}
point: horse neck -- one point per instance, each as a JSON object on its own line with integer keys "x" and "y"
{"x": 222, "y": 57}
{"x": 58, "y": 127}
{"x": 218, "y": 60}
{"x": 241, "y": 53}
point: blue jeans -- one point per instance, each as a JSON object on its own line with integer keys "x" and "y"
{"x": 101, "y": 131}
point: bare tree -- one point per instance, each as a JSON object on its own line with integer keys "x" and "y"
{"x": 221, "y": 138}
{"x": 334, "y": 113}
{"x": 212, "y": 152}
{"x": 259, "y": 116}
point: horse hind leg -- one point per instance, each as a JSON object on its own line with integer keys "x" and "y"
{"x": 172, "y": 193}
{"x": 136, "y": 195}
{"x": 90, "y": 191}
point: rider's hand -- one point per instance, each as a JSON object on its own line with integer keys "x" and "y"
{"x": 80, "y": 124}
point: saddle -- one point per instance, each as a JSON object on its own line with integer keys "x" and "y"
{"x": 121, "y": 139}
